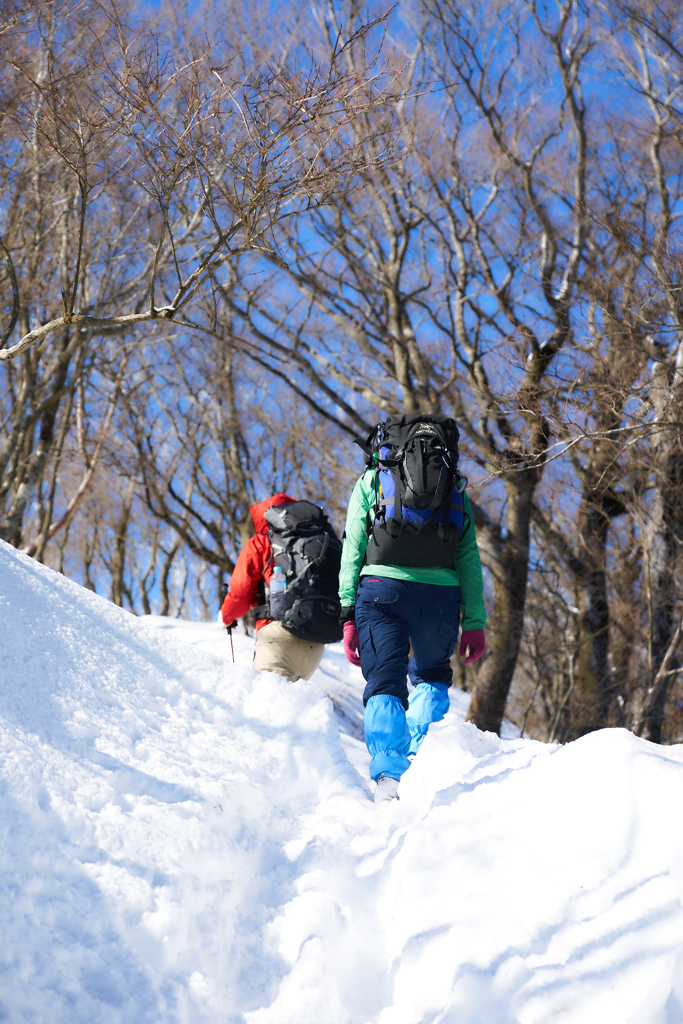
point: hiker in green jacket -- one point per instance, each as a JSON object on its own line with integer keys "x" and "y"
{"x": 410, "y": 568}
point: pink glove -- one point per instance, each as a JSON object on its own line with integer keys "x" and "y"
{"x": 351, "y": 643}
{"x": 476, "y": 641}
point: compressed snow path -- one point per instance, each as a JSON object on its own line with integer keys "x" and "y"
{"x": 184, "y": 840}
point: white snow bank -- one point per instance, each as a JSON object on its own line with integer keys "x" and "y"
{"x": 185, "y": 840}
{"x": 342, "y": 683}
{"x": 148, "y": 792}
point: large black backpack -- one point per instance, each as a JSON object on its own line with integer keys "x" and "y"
{"x": 418, "y": 515}
{"x": 308, "y": 550}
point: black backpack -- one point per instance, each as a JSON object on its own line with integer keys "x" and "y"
{"x": 308, "y": 550}
{"x": 419, "y": 510}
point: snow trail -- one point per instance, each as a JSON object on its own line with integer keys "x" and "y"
{"x": 188, "y": 840}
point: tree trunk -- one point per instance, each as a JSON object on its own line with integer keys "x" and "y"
{"x": 164, "y": 581}
{"x": 118, "y": 562}
{"x": 588, "y": 710}
{"x": 665, "y": 541}
{"x": 11, "y": 528}
{"x": 505, "y": 634}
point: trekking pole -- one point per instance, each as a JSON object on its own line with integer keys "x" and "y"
{"x": 223, "y": 592}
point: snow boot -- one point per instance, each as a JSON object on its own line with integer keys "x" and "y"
{"x": 387, "y": 789}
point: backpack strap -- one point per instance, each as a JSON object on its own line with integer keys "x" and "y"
{"x": 381, "y": 503}
{"x": 436, "y": 502}
{"x": 377, "y": 510}
{"x": 433, "y": 516}
{"x": 369, "y": 445}
{"x": 363, "y": 445}
{"x": 313, "y": 561}
{"x": 397, "y": 493}
{"x": 262, "y": 609}
{"x": 445, "y": 532}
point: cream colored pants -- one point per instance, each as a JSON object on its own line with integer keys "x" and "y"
{"x": 278, "y": 651}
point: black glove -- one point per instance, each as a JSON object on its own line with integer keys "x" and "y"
{"x": 230, "y": 626}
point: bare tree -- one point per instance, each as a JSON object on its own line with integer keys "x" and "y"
{"x": 652, "y": 60}
{"x": 137, "y": 164}
{"x": 219, "y": 156}
{"x": 446, "y": 281}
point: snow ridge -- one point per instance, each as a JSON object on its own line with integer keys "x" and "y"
{"x": 184, "y": 839}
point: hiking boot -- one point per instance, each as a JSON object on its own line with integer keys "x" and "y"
{"x": 387, "y": 789}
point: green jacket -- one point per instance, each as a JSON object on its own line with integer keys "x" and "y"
{"x": 466, "y": 571}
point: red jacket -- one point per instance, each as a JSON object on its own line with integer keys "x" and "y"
{"x": 252, "y": 566}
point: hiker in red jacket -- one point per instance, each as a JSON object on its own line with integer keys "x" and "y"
{"x": 277, "y": 650}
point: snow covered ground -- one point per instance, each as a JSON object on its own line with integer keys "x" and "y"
{"x": 184, "y": 840}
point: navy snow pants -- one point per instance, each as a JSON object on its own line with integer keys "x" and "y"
{"x": 389, "y": 615}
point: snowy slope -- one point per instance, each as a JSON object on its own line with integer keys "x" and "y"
{"x": 186, "y": 840}
{"x": 342, "y": 683}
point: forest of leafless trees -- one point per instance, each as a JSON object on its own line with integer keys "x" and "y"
{"x": 230, "y": 242}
